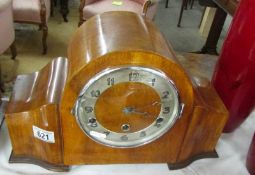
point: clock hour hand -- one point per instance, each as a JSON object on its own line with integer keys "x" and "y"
{"x": 131, "y": 110}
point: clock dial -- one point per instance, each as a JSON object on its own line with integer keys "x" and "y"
{"x": 127, "y": 106}
{"x": 118, "y": 109}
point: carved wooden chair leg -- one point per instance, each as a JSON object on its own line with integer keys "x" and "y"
{"x": 13, "y": 50}
{"x": 44, "y": 38}
{"x": 82, "y": 4}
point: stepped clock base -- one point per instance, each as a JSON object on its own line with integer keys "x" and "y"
{"x": 64, "y": 168}
{"x": 187, "y": 162}
{"x": 49, "y": 166}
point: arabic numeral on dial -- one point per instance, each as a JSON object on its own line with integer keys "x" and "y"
{"x": 88, "y": 109}
{"x": 95, "y": 93}
{"x": 133, "y": 76}
{"x": 165, "y": 94}
{"x": 110, "y": 81}
{"x": 153, "y": 81}
{"x": 166, "y": 110}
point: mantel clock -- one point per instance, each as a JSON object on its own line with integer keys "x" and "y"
{"x": 120, "y": 97}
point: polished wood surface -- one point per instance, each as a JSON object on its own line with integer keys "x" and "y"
{"x": 136, "y": 42}
{"x": 35, "y": 102}
{"x": 106, "y": 41}
{"x": 143, "y": 45}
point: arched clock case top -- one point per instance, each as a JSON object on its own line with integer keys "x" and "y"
{"x": 120, "y": 97}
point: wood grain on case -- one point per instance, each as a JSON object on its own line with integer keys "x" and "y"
{"x": 35, "y": 102}
{"x": 109, "y": 40}
{"x": 136, "y": 42}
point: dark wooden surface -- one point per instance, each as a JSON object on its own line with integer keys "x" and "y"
{"x": 93, "y": 48}
{"x": 227, "y": 5}
{"x": 189, "y": 161}
{"x": 210, "y": 46}
{"x": 32, "y": 160}
{"x": 223, "y": 7}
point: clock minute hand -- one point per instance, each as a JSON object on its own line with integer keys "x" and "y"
{"x": 130, "y": 110}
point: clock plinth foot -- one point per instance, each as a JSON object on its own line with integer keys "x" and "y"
{"x": 183, "y": 164}
{"x": 49, "y": 166}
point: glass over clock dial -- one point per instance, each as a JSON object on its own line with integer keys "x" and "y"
{"x": 127, "y": 106}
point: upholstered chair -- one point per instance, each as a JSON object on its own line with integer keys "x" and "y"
{"x": 7, "y": 34}
{"x": 89, "y": 8}
{"x": 33, "y": 12}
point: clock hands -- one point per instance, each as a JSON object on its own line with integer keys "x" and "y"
{"x": 132, "y": 110}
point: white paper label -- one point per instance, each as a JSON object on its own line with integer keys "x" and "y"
{"x": 46, "y": 136}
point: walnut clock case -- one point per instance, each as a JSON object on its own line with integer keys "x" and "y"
{"x": 120, "y": 97}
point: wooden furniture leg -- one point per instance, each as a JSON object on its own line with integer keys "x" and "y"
{"x": 80, "y": 23}
{"x": 185, "y": 163}
{"x": 44, "y": 28}
{"x": 52, "y": 3}
{"x": 44, "y": 38}
{"x": 64, "y": 9}
{"x": 13, "y": 50}
{"x": 184, "y": 4}
{"x": 82, "y": 4}
{"x": 31, "y": 160}
{"x": 210, "y": 46}
{"x": 166, "y": 6}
